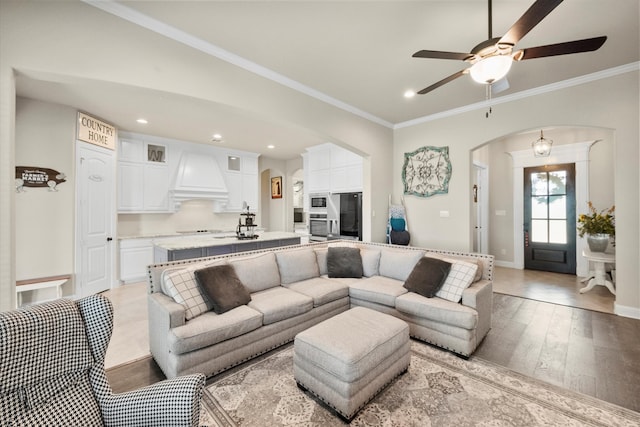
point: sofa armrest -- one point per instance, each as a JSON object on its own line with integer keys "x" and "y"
{"x": 168, "y": 311}
{"x": 173, "y": 402}
{"x": 480, "y": 297}
{"x": 164, "y": 315}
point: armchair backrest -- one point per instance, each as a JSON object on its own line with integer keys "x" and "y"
{"x": 45, "y": 362}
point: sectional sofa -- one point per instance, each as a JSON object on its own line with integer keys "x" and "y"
{"x": 209, "y": 314}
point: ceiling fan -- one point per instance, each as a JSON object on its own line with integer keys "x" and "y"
{"x": 491, "y": 60}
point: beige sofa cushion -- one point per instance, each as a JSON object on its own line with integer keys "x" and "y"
{"x": 297, "y": 265}
{"x": 211, "y": 328}
{"x": 379, "y": 289}
{"x": 370, "y": 262}
{"x": 321, "y": 289}
{"x": 438, "y": 310}
{"x": 182, "y": 286}
{"x": 460, "y": 277}
{"x": 258, "y": 272}
{"x": 279, "y": 303}
{"x": 321, "y": 258}
{"x": 398, "y": 264}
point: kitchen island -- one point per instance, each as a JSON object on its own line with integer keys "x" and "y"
{"x": 210, "y": 245}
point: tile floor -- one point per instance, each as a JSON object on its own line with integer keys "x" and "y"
{"x": 130, "y": 338}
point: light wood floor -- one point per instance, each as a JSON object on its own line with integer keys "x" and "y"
{"x": 568, "y": 339}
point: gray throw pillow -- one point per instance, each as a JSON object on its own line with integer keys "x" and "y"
{"x": 428, "y": 276}
{"x": 222, "y": 286}
{"x": 344, "y": 262}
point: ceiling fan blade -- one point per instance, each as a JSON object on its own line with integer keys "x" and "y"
{"x": 443, "y": 82}
{"x": 566, "y": 48}
{"x": 530, "y": 19}
{"x": 437, "y": 54}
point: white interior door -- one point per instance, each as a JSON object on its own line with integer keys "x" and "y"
{"x": 95, "y": 218}
{"x": 480, "y": 201}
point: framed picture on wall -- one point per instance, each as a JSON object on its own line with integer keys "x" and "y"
{"x": 276, "y": 187}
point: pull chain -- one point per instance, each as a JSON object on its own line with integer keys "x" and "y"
{"x": 488, "y": 96}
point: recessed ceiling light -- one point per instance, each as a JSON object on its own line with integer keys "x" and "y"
{"x": 142, "y": 121}
{"x": 271, "y": 146}
{"x": 216, "y": 137}
{"x": 409, "y": 94}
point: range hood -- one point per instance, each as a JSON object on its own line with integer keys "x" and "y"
{"x": 199, "y": 178}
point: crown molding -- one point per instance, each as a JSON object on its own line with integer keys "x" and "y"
{"x": 587, "y": 78}
{"x": 159, "y": 27}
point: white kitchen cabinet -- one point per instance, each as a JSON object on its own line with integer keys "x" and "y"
{"x": 130, "y": 187}
{"x": 143, "y": 187}
{"x": 332, "y": 169}
{"x": 156, "y": 188}
{"x": 250, "y": 186}
{"x": 130, "y": 150}
{"x": 241, "y": 178}
{"x": 319, "y": 157}
{"x": 135, "y": 256}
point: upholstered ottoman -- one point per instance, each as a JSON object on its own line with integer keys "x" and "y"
{"x": 347, "y": 359}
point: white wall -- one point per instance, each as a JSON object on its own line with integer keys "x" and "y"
{"x": 607, "y": 104}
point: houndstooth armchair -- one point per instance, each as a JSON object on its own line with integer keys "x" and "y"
{"x": 52, "y": 372}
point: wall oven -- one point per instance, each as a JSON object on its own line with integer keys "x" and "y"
{"x": 318, "y": 227}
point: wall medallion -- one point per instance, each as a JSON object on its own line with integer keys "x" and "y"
{"x": 426, "y": 171}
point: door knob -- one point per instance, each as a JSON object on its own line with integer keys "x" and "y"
{"x": 109, "y": 239}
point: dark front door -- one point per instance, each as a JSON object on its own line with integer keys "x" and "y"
{"x": 550, "y": 218}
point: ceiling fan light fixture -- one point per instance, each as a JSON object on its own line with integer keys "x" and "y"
{"x": 491, "y": 69}
{"x": 542, "y": 146}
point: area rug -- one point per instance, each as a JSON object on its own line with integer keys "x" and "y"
{"x": 439, "y": 389}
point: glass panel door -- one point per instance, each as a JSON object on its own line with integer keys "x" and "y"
{"x": 550, "y": 218}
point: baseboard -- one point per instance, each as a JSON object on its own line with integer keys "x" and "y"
{"x": 507, "y": 264}
{"x": 626, "y": 311}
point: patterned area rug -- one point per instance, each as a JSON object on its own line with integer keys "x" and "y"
{"x": 439, "y": 389}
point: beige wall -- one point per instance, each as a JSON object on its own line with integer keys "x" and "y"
{"x": 44, "y": 222}
{"x": 606, "y": 104}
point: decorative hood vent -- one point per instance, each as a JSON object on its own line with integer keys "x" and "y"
{"x": 199, "y": 178}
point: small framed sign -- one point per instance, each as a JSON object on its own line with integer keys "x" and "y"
{"x": 156, "y": 153}
{"x": 276, "y": 187}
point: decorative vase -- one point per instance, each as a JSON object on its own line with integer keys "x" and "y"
{"x": 598, "y": 242}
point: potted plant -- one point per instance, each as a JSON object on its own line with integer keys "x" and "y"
{"x": 598, "y": 226}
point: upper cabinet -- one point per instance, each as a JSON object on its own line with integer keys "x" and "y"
{"x": 158, "y": 174}
{"x": 332, "y": 169}
{"x": 143, "y": 177}
{"x": 241, "y": 176}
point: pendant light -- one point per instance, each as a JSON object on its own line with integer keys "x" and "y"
{"x": 542, "y": 146}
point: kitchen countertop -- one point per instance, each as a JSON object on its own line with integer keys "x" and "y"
{"x": 206, "y": 239}
{"x": 178, "y": 234}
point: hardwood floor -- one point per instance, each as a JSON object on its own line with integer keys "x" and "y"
{"x": 582, "y": 350}
{"x": 592, "y": 352}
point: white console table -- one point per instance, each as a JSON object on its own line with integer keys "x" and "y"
{"x": 598, "y": 276}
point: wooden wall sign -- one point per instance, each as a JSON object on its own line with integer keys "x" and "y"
{"x": 33, "y": 176}
{"x": 96, "y": 132}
